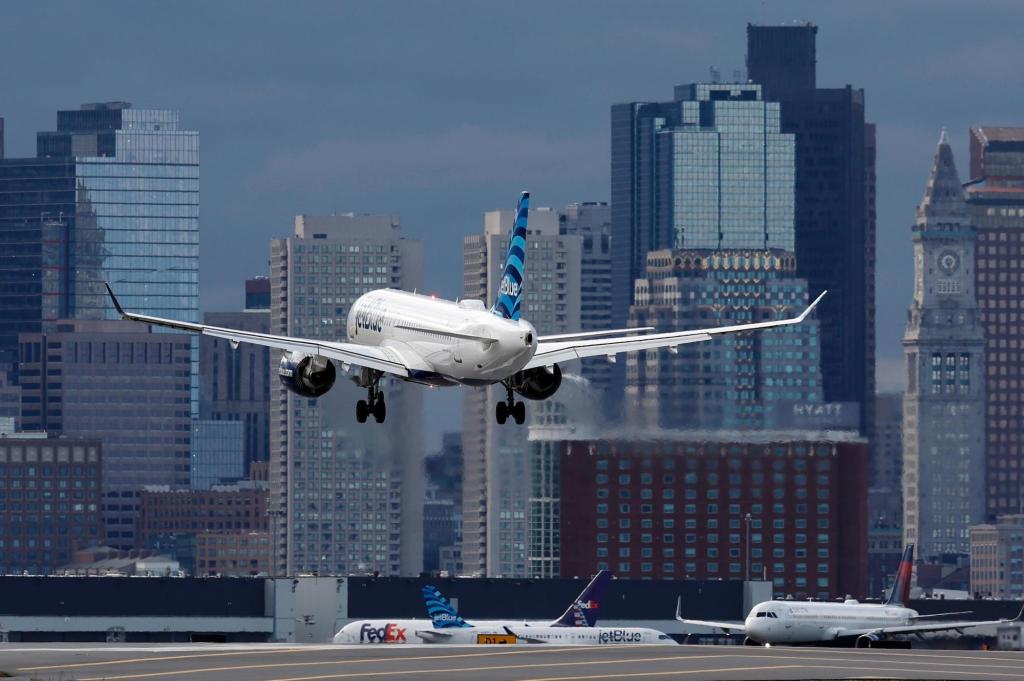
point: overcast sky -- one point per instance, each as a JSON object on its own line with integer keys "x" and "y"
{"x": 439, "y": 111}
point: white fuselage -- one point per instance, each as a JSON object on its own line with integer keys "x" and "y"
{"x": 815, "y": 622}
{"x": 565, "y": 636}
{"x": 413, "y": 326}
{"x": 404, "y": 631}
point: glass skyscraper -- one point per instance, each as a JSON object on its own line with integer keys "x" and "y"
{"x": 730, "y": 170}
{"x": 112, "y": 195}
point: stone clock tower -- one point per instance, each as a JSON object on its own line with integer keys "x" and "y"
{"x": 943, "y": 406}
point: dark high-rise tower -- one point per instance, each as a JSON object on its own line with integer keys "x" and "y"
{"x": 782, "y": 58}
{"x": 834, "y": 203}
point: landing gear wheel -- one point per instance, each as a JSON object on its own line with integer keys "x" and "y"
{"x": 380, "y": 410}
{"x": 519, "y": 412}
{"x": 362, "y": 411}
{"x": 501, "y": 412}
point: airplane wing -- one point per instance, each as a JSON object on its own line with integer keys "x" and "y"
{"x": 380, "y": 358}
{"x": 727, "y": 627}
{"x": 553, "y": 351}
{"x": 521, "y": 637}
{"x": 593, "y": 334}
{"x": 936, "y": 626}
{"x": 433, "y": 635}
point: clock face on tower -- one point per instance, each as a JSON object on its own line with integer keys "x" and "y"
{"x": 949, "y": 262}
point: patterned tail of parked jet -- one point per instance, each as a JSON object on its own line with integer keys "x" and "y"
{"x": 900, "y": 594}
{"x": 441, "y": 611}
{"x": 584, "y": 610}
{"x": 510, "y": 291}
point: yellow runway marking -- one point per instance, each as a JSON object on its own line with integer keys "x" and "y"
{"x": 179, "y": 672}
{"x": 507, "y": 667}
{"x": 189, "y": 656}
{"x": 723, "y": 670}
{"x": 183, "y": 656}
{"x": 677, "y": 672}
{"x": 979, "y": 656}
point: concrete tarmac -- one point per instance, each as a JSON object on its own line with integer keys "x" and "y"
{"x": 266, "y": 662}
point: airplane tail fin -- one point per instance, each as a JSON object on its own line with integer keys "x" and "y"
{"x": 441, "y": 612}
{"x": 584, "y": 610}
{"x": 900, "y": 594}
{"x": 510, "y": 291}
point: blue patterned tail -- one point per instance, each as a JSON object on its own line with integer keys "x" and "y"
{"x": 441, "y": 611}
{"x": 584, "y": 610}
{"x": 510, "y": 289}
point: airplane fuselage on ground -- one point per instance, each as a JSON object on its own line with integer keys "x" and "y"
{"x": 815, "y": 622}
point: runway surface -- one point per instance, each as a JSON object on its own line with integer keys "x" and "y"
{"x": 263, "y": 662}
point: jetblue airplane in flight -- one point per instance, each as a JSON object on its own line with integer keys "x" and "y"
{"x": 582, "y": 612}
{"x": 435, "y": 342}
{"x": 860, "y": 624}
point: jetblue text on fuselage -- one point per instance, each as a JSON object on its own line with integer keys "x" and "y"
{"x": 620, "y": 636}
{"x": 370, "y": 318}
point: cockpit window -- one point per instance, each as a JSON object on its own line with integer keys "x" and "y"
{"x": 663, "y": 637}
{"x": 773, "y": 615}
{"x": 762, "y": 614}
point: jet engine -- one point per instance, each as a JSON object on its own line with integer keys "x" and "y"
{"x": 537, "y": 384}
{"x": 867, "y": 640}
{"x": 306, "y": 375}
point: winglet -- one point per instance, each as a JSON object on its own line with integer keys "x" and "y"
{"x": 113, "y": 299}
{"x": 803, "y": 315}
{"x": 679, "y": 608}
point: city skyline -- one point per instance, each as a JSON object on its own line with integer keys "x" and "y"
{"x": 263, "y": 168}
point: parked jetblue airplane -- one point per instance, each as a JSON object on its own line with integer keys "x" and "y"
{"x": 435, "y": 342}
{"x": 582, "y": 612}
{"x": 859, "y": 624}
{"x": 576, "y": 626}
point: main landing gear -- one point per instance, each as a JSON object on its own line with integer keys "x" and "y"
{"x": 517, "y": 410}
{"x": 374, "y": 403}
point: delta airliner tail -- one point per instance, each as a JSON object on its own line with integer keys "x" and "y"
{"x": 583, "y": 612}
{"x": 900, "y": 594}
{"x": 442, "y": 613}
{"x": 510, "y": 291}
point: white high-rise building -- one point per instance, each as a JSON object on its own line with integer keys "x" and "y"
{"x": 345, "y": 497}
{"x": 495, "y": 462}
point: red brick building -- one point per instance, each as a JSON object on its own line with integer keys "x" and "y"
{"x": 995, "y": 199}
{"x": 232, "y": 553}
{"x": 789, "y": 507}
{"x": 195, "y": 512}
{"x": 49, "y": 501}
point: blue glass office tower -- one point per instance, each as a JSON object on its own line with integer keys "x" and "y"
{"x": 710, "y": 170}
{"x": 112, "y": 195}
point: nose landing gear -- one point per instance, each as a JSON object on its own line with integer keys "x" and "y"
{"x": 374, "y": 404}
{"x": 517, "y": 410}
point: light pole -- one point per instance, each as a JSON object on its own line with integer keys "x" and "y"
{"x": 746, "y": 567}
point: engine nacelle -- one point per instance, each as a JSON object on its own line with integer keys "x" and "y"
{"x": 867, "y": 640}
{"x": 306, "y": 375}
{"x": 538, "y": 383}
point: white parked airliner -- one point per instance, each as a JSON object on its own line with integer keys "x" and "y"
{"x": 435, "y": 342}
{"x": 445, "y": 620}
{"x": 862, "y": 624}
{"x": 576, "y": 626}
